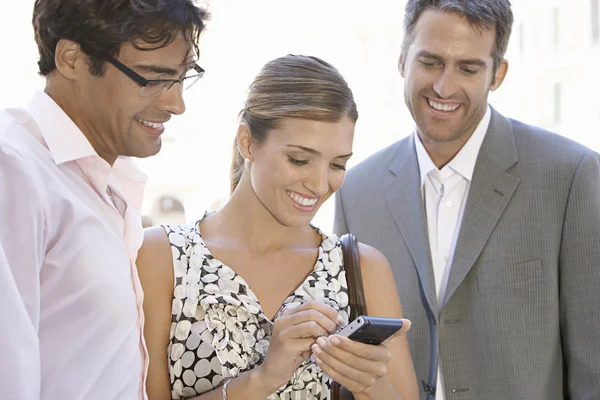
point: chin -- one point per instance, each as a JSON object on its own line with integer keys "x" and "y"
{"x": 148, "y": 150}
{"x": 295, "y": 221}
{"x": 440, "y": 134}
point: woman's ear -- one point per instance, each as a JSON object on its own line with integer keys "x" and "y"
{"x": 244, "y": 141}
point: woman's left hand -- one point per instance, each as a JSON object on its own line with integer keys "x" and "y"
{"x": 354, "y": 365}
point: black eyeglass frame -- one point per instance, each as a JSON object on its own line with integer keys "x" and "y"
{"x": 143, "y": 82}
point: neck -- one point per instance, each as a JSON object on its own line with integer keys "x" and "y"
{"x": 63, "y": 94}
{"x": 442, "y": 152}
{"x": 246, "y": 222}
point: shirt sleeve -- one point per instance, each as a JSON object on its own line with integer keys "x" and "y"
{"x": 21, "y": 255}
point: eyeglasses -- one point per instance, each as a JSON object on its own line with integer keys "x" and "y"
{"x": 156, "y": 87}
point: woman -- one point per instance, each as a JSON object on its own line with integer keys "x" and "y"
{"x": 256, "y": 290}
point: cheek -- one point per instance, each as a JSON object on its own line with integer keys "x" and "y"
{"x": 336, "y": 180}
{"x": 271, "y": 173}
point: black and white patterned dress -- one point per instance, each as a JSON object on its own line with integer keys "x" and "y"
{"x": 218, "y": 328}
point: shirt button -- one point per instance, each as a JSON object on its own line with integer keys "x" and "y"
{"x": 447, "y": 259}
{"x": 448, "y": 203}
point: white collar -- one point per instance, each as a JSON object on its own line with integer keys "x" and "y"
{"x": 464, "y": 162}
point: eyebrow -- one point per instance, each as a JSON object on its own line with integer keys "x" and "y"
{"x": 157, "y": 69}
{"x": 470, "y": 61}
{"x": 315, "y": 152}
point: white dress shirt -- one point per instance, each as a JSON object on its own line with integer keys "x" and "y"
{"x": 445, "y": 194}
{"x": 70, "y": 297}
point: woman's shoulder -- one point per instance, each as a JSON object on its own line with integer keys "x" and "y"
{"x": 372, "y": 259}
{"x": 329, "y": 241}
{"x": 180, "y": 234}
{"x": 158, "y": 241}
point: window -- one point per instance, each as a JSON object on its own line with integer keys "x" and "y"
{"x": 595, "y": 13}
{"x": 557, "y": 102}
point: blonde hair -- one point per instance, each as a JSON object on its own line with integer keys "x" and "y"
{"x": 293, "y": 86}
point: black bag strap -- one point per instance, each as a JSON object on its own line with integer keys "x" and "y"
{"x": 356, "y": 292}
{"x": 356, "y": 295}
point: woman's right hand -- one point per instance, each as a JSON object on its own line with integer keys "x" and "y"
{"x": 294, "y": 332}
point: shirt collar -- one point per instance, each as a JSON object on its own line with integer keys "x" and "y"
{"x": 64, "y": 139}
{"x": 464, "y": 162}
{"x": 66, "y": 143}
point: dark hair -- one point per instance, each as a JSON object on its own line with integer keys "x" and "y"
{"x": 293, "y": 86}
{"x": 487, "y": 14}
{"x": 100, "y": 27}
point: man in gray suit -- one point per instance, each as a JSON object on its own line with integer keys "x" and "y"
{"x": 492, "y": 227}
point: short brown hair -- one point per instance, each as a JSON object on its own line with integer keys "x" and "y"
{"x": 100, "y": 27}
{"x": 489, "y": 14}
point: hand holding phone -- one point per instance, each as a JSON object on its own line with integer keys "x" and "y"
{"x": 371, "y": 330}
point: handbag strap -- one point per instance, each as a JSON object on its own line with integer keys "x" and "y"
{"x": 356, "y": 292}
{"x": 356, "y": 296}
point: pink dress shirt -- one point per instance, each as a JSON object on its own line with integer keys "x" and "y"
{"x": 70, "y": 298}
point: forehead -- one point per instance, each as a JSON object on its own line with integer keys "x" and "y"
{"x": 175, "y": 53}
{"x": 325, "y": 137}
{"x": 451, "y": 35}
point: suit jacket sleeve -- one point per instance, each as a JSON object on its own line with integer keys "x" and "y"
{"x": 580, "y": 282}
{"x": 339, "y": 223}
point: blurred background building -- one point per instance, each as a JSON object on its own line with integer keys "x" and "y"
{"x": 554, "y": 57}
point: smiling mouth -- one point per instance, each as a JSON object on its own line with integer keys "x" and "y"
{"x": 302, "y": 201}
{"x": 150, "y": 124}
{"x": 443, "y": 107}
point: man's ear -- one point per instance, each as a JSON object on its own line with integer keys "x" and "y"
{"x": 69, "y": 58}
{"x": 500, "y": 75}
{"x": 401, "y": 65}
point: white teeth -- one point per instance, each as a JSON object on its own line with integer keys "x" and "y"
{"x": 154, "y": 125}
{"x": 303, "y": 201}
{"x": 442, "y": 106}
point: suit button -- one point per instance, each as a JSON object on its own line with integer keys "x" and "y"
{"x": 460, "y": 390}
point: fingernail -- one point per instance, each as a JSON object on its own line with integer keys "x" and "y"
{"x": 407, "y": 324}
{"x": 316, "y": 349}
{"x": 322, "y": 342}
{"x": 334, "y": 340}
{"x": 340, "y": 320}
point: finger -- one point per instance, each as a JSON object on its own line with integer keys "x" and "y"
{"x": 312, "y": 315}
{"x": 349, "y": 372}
{"x": 362, "y": 365}
{"x": 307, "y": 329}
{"x": 366, "y": 365}
{"x": 361, "y": 350}
{"x": 406, "y": 324}
{"x": 323, "y": 308}
{"x": 297, "y": 345}
{"x": 350, "y": 384}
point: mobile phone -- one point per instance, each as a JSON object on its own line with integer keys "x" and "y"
{"x": 371, "y": 330}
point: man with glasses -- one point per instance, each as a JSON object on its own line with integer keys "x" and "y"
{"x": 70, "y": 299}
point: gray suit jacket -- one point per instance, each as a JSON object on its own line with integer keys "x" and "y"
{"x": 520, "y": 319}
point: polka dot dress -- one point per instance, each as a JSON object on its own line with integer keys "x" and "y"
{"x": 218, "y": 328}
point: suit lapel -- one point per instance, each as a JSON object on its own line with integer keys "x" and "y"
{"x": 490, "y": 193}
{"x": 403, "y": 196}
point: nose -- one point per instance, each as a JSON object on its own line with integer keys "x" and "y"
{"x": 318, "y": 180}
{"x": 172, "y": 100}
{"x": 444, "y": 86}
